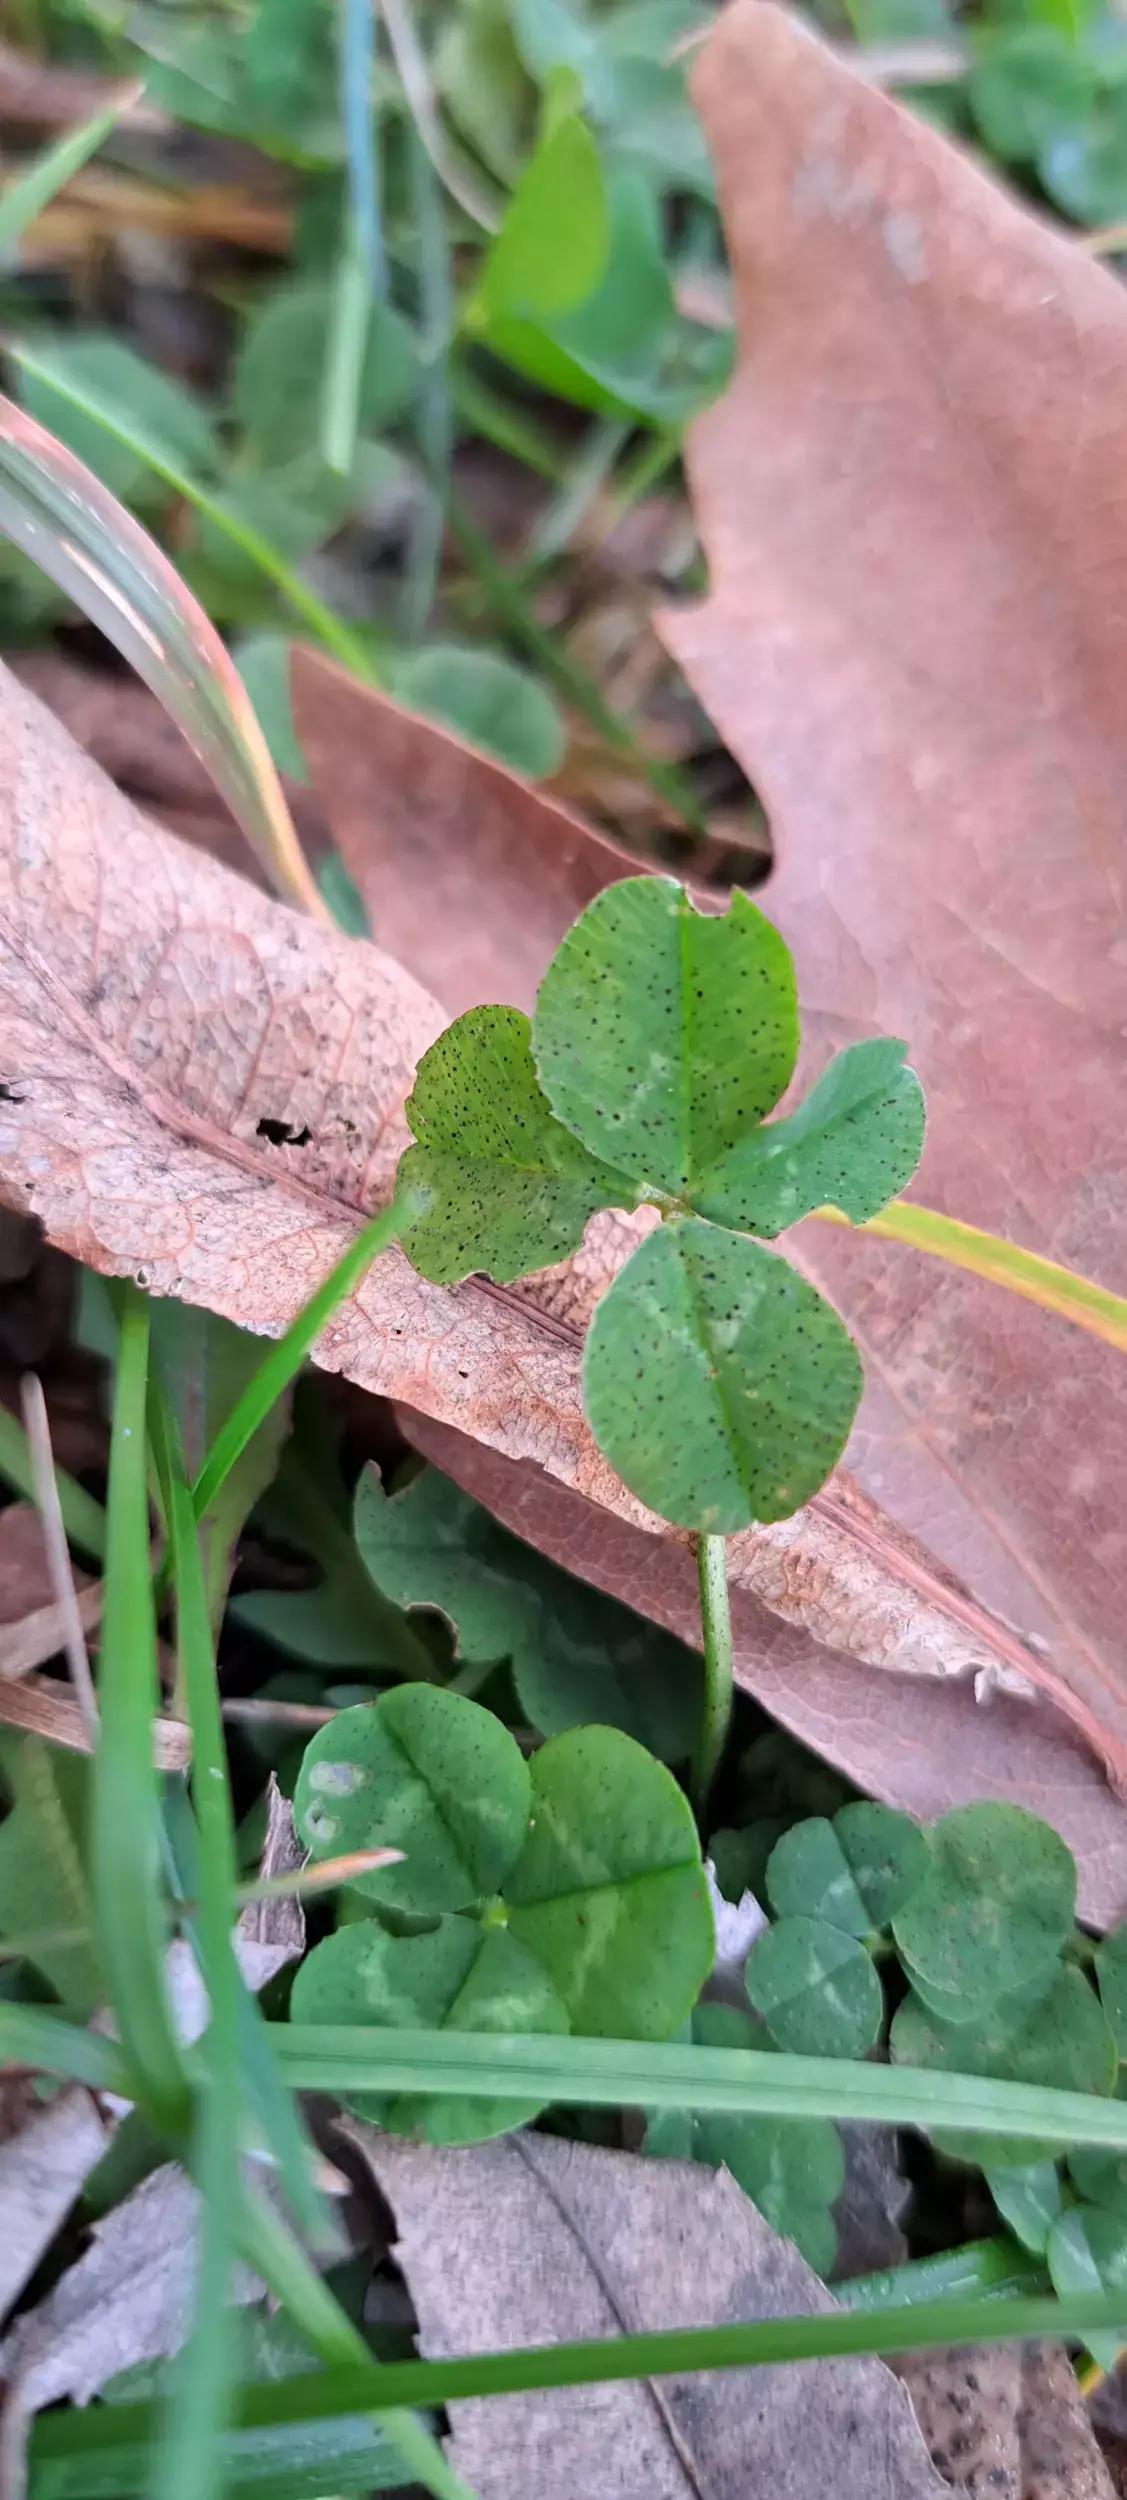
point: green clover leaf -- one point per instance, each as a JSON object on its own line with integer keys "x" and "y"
{"x": 993, "y": 1909}
{"x": 1029, "y": 2200}
{"x": 1100, "y": 2177}
{"x": 793, "y": 2169}
{"x": 1111, "y": 1976}
{"x": 717, "y": 1382}
{"x": 609, "y": 1892}
{"x": 854, "y": 1872}
{"x": 494, "y": 1182}
{"x": 661, "y": 1034}
{"x": 576, "y": 1655}
{"x": 458, "y": 1977}
{"x": 854, "y": 1143}
{"x": 816, "y": 1989}
{"x": 424, "y": 1771}
{"x": 1087, "y": 2252}
{"x": 1065, "y": 2041}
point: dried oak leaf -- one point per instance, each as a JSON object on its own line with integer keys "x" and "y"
{"x": 911, "y": 499}
{"x": 416, "y": 812}
{"x": 161, "y": 1022}
{"x": 539, "y": 2241}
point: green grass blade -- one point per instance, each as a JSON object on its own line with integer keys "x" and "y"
{"x": 274, "y": 2105}
{"x": 284, "y": 2461}
{"x": 995, "y": 2269}
{"x": 344, "y": 363}
{"x": 483, "y": 410}
{"x": 358, "y": 114}
{"x": 323, "y": 623}
{"x": 434, "y": 416}
{"x": 272, "y": 2250}
{"x": 125, "y": 1848}
{"x": 83, "y": 1517}
{"x": 285, "y": 1359}
{"x": 188, "y": 2462}
{"x": 834, "y": 2335}
{"x": 49, "y": 2045}
{"x": 673, "y": 2074}
{"x": 24, "y": 199}
{"x": 608, "y": 2074}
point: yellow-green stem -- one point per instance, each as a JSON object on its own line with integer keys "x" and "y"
{"x": 1039, "y": 1280}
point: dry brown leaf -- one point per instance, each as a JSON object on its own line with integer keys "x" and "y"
{"x": 1007, "y": 2422}
{"x": 539, "y": 2241}
{"x": 42, "y": 2169}
{"x": 913, "y": 644}
{"x": 272, "y": 1933}
{"x": 128, "y": 2299}
{"x": 470, "y": 876}
{"x": 159, "y": 1019}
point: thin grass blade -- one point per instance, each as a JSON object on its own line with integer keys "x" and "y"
{"x": 188, "y": 2463}
{"x": 125, "y": 1847}
{"x": 673, "y": 2074}
{"x": 60, "y": 514}
{"x": 286, "y": 1357}
{"x": 344, "y": 364}
{"x": 24, "y": 199}
{"x": 829, "y": 2335}
{"x": 275, "y": 2108}
{"x": 83, "y": 1518}
{"x": 271, "y": 2249}
{"x": 47, "y": 2044}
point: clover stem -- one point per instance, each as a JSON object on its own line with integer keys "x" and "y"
{"x": 716, "y": 1629}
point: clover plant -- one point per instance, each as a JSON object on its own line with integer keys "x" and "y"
{"x": 720, "y": 1385}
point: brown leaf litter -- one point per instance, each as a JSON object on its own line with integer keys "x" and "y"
{"x": 535, "y": 2240}
{"x": 161, "y": 1022}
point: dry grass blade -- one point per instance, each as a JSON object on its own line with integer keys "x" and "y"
{"x": 45, "y": 1708}
{"x": 321, "y": 1878}
{"x": 41, "y": 1634}
{"x": 70, "y": 525}
{"x": 70, "y": 1615}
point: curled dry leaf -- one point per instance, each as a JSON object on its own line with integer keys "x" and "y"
{"x": 913, "y": 645}
{"x": 161, "y": 1023}
{"x": 1008, "y": 2421}
{"x": 42, "y": 2170}
{"x": 272, "y": 1932}
{"x": 538, "y": 2241}
{"x": 128, "y": 2299}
